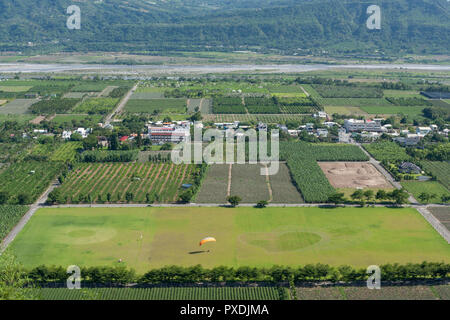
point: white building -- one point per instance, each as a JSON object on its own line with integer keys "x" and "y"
{"x": 423, "y": 131}
{"x": 409, "y": 140}
{"x": 66, "y": 135}
{"x": 168, "y": 134}
{"x": 353, "y": 125}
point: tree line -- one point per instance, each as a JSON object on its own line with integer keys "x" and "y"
{"x": 276, "y": 274}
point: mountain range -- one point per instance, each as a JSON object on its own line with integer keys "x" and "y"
{"x": 285, "y": 26}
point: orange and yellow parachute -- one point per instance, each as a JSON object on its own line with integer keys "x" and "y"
{"x": 206, "y": 240}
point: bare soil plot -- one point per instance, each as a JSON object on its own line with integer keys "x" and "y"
{"x": 442, "y": 214}
{"x": 2, "y": 102}
{"x": 354, "y": 175}
{"x": 18, "y": 106}
{"x": 37, "y": 120}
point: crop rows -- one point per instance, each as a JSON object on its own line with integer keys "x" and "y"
{"x": 53, "y": 106}
{"x": 327, "y": 91}
{"x": 96, "y": 106}
{"x": 387, "y": 151}
{"x": 30, "y": 178}
{"x": 67, "y": 151}
{"x": 9, "y": 217}
{"x": 272, "y": 118}
{"x": 171, "y": 293}
{"x": 440, "y": 170}
{"x": 94, "y": 181}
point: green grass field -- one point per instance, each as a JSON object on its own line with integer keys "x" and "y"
{"x": 431, "y": 187}
{"x": 148, "y": 238}
{"x": 407, "y": 110}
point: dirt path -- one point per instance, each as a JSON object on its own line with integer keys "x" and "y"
{"x": 230, "y": 175}
{"x": 121, "y": 105}
{"x": 306, "y": 92}
{"x": 269, "y": 186}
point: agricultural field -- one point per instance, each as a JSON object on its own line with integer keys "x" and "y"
{"x": 431, "y": 187}
{"x": 348, "y": 111}
{"x": 54, "y": 106}
{"x": 440, "y": 170}
{"x": 413, "y": 292}
{"x": 92, "y": 182}
{"x": 90, "y": 87}
{"x": 66, "y": 151}
{"x": 75, "y": 95}
{"x": 10, "y": 152}
{"x": 228, "y": 105}
{"x": 388, "y": 151}
{"x": 177, "y": 106}
{"x": 10, "y": 215}
{"x": 29, "y": 178}
{"x": 165, "y": 293}
{"x": 15, "y": 88}
{"x": 442, "y": 214}
{"x": 194, "y": 104}
{"x": 327, "y": 91}
{"x": 357, "y": 102}
{"x": 146, "y": 238}
{"x": 247, "y": 183}
{"x": 18, "y": 106}
{"x": 306, "y": 173}
{"x": 355, "y": 175}
{"x": 272, "y": 118}
{"x": 80, "y": 120}
{"x": 402, "y": 94}
{"x": 96, "y": 106}
{"x": 407, "y": 111}
{"x": 147, "y": 95}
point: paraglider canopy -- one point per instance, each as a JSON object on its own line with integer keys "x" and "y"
{"x": 206, "y": 240}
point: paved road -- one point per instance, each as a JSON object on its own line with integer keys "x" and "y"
{"x": 33, "y": 208}
{"x": 121, "y": 105}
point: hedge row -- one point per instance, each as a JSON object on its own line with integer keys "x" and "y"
{"x": 275, "y": 274}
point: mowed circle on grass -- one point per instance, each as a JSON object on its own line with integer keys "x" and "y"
{"x": 146, "y": 238}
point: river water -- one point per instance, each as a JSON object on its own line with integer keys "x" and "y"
{"x": 225, "y": 68}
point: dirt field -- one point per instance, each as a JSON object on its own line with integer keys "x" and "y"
{"x": 354, "y": 175}
{"x": 2, "y": 102}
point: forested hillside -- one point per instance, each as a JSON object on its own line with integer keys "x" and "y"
{"x": 414, "y": 26}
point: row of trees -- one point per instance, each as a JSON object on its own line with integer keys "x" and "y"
{"x": 398, "y": 196}
{"x": 276, "y": 274}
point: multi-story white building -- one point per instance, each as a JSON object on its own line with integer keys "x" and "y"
{"x": 352, "y": 125}
{"x": 168, "y": 134}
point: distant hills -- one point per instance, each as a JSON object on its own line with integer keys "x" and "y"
{"x": 285, "y": 26}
